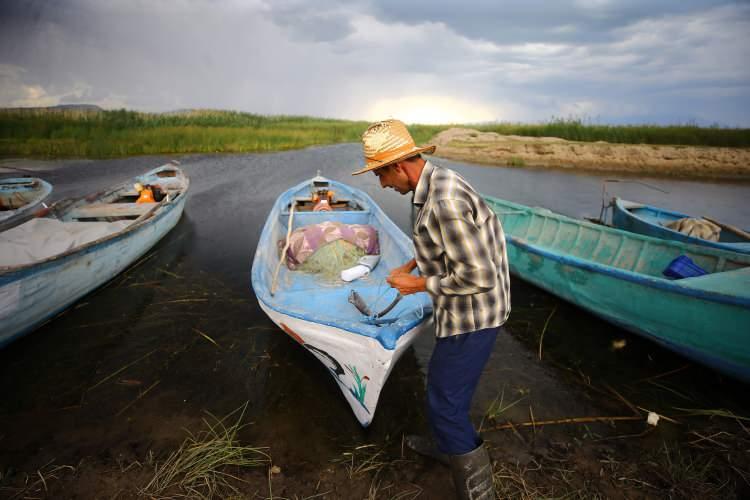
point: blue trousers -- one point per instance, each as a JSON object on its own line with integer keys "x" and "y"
{"x": 452, "y": 377}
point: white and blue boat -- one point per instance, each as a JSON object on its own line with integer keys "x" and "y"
{"x": 51, "y": 261}
{"x": 651, "y": 221}
{"x": 359, "y": 351}
{"x": 20, "y": 197}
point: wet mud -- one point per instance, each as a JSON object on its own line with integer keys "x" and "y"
{"x": 97, "y": 398}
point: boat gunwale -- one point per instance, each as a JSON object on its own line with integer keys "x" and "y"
{"x": 11, "y": 273}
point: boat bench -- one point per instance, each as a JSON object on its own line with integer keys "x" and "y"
{"x": 111, "y": 210}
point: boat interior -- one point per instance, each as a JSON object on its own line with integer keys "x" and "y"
{"x": 121, "y": 204}
{"x": 76, "y": 222}
{"x": 297, "y": 289}
{"x": 664, "y": 217}
{"x": 607, "y": 246}
{"x": 16, "y": 194}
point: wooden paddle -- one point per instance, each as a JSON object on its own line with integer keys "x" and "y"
{"x": 282, "y": 258}
{"x": 739, "y": 232}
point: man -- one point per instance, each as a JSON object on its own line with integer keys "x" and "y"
{"x": 460, "y": 253}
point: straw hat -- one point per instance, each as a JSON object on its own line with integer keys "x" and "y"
{"x": 388, "y": 142}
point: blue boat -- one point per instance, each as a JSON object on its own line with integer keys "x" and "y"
{"x": 358, "y": 349}
{"x": 20, "y": 197}
{"x": 618, "y": 275}
{"x": 652, "y": 221}
{"x": 51, "y": 261}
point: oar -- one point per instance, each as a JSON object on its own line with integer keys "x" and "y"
{"x": 282, "y": 258}
{"x": 739, "y": 232}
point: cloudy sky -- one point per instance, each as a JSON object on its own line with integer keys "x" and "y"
{"x": 604, "y": 61}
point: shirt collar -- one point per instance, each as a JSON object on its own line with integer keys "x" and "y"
{"x": 423, "y": 184}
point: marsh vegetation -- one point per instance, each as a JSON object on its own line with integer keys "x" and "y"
{"x": 116, "y": 133}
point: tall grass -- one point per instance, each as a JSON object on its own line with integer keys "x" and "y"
{"x": 121, "y": 133}
{"x": 101, "y": 134}
{"x": 577, "y": 130}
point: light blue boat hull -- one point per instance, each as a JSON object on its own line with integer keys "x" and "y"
{"x": 24, "y": 195}
{"x": 617, "y": 276}
{"x": 32, "y": 294}
{"x": 648, "y": 220}
{"x": 315, "y": 311}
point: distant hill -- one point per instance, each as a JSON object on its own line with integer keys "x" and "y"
{"x": 59, "y": 107}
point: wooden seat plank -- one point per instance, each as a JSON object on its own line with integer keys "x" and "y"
{"x": 111, "y": 210}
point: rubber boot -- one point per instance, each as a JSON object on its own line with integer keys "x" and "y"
{"x": 426, "y": 446}
{"x": 472, "y": 475}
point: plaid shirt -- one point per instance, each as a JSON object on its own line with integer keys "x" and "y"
{"x": 460, "y": 249}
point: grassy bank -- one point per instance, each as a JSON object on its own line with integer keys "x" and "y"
{"x": 102, "y": 134}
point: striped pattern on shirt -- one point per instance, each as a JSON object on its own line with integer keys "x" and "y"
{"x": 460, "y": 249}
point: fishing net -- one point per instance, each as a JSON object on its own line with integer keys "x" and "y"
{"x": 332, "y": 258}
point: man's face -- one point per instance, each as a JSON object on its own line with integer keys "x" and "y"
{"x": 394, "y": 177}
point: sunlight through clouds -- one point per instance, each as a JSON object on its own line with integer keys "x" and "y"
{"x": 431, "y": 110}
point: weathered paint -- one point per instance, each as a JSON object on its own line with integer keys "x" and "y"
{"x": 648, "y": 220}
{"x": 317, "y": 313}
{"x": 33, "y": 293}
{"x": 616, "y": 275}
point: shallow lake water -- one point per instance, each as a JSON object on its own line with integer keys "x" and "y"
{"x": 131, "y": 366}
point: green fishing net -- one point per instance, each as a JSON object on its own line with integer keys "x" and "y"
{"x": 332, "y": 258}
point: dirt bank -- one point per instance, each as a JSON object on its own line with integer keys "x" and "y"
{"x": 674, "y": 161}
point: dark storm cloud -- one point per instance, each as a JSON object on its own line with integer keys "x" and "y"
{"x": 610, "y": 60}
{"x": 537, "y": 21}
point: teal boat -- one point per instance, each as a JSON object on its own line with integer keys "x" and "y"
{"x": 618, "y": 276}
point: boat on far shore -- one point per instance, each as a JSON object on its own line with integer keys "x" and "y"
{"x": 20, "y": 197}
{"x": 652, "y": 221}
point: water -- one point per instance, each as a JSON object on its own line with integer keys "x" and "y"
{"x": 130, "y": 366}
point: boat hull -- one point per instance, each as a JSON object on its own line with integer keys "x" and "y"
{"x": 711, "y": 333}
{"x": 359, "y": 365}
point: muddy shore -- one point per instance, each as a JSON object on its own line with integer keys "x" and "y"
{"x": 465, "y": 144}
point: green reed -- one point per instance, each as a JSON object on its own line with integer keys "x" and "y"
{"x": 101, "y": 134}
{"x": 578, "y": 130}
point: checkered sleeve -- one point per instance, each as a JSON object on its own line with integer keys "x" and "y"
{"x": 471, "y": 269}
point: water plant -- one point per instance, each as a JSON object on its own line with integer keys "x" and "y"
{"x": 204, "y": 464}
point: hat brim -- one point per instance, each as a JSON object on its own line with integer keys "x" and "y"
{"x": 375, "y": 164}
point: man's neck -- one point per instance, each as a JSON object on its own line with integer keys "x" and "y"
{"x": 413, "y": 172}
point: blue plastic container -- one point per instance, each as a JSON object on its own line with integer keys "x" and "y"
{"x": 683, "y": 267}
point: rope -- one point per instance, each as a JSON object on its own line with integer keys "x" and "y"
{"x": 282, "y": 257}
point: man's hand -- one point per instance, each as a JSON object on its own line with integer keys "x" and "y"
{"x": 407, "y": 284}
{"x": 405, "y": 269}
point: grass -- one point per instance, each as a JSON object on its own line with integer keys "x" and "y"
{"x": 102, "y": 134}
{"x": 574, "y": 129}
{"x": 202, "y": 466}
{"x": 117, "y": 133}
